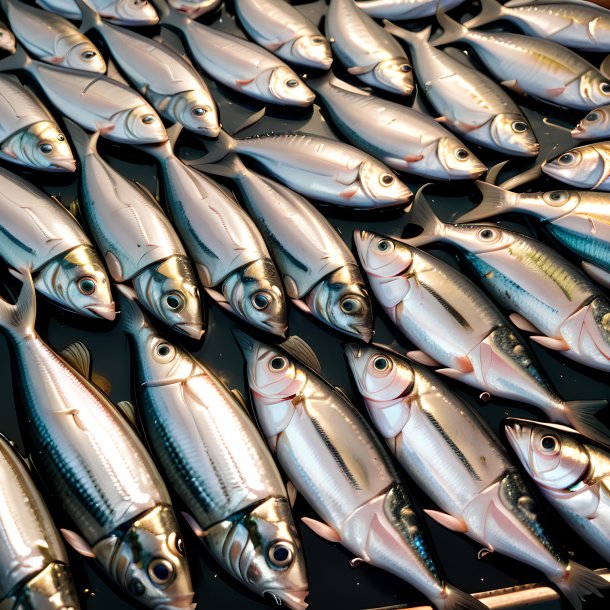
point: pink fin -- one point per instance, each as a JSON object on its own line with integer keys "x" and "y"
{"x": 522, "y": 323}
{"x": 302, "y": 306}
{"x": 356, "y": 70}
{"x": 292, "y": 493}
{"x": 349, "y": 193}
{"x": 556, "y": 344}
{"x": 513, "y": 85}
{"x": 78, "y": 543}
{"x": 451, "y": 523}
{"x": 192, "y": 523}
{"x": 557, "y": 91}
{"x": 422, "y": 358}
{"x": 441, "y": 119}
{"x": 323, "y": 530}
{"x": 243, "y": 83}
{"x": 413, "y": 158}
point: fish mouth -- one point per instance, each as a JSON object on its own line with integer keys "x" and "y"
{"x": 275, "y": 328}
{"x": 352, "y": 350}
{"x": 108, "y": 312}
{"x": 578, "y": 132}
{"x": 211, "y": 131}
{"x": 192, "y": 329}
{"x": 515, "y": 434}
{"x": 292, "y": 599}
{"x": 178, "y": 602}
{"x": 64, "y": 166}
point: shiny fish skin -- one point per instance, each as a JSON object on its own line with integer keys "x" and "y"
{"x": 34, "y": 565}
{"x": 585, "y": 166}
{"x": 195, "y": 8}
{"x": 366, "y": 49}
{"x": 95, "y": 465}
{"x": 213, "y": 455}
{"x": 121, "y": 12}
{"x": 283, "y": 30}
{"x": 400, "y": 10}
{"x": 401, "y": 137}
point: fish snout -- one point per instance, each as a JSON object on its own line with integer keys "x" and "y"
{"x": 193, "y": 330}
{"x": 292, "y": 599}
{"x": 108, "y": 312}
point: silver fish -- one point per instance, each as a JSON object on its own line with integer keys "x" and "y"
{"x": 403, "y": 138}
{"x": 41, "y": 234}
{"x": 230, "y": 255}
{"x": 402, "y": 10}
{"x": 452, "y": 323}
{"x": 237, "y": 63}
{"x": 34, "y": 566}
{"x": 280, "y": 28}
{"x": 467, "y": 101}
{"x": 366, "y": 49}
{"x": 455, "y": 458}
{"x": 121, "y": 12}
{"x": 579, "y": 220}
{"x": 175, "y": 89}
{"x": 540, "y": 68}
{"x": 317, "y": 167}
{"x": 334, "y": 459}
{"x": 94, "y": 464}
{"x": 29, "y": 134}
{"x": 212, "y": 454}
{"x": 52, "y": 38}
{"x": 573, "y": 475}
{"x": 319, "y": 271}
{"x": 195, "y": 8}
{"x": 595, "y": 126}
{"x": 585, "y": 166}
{"x": 580, "y": 25}
{"x": 137, "y": 240}
{"x": 7, "y": 39}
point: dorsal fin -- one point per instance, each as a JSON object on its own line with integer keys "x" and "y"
{"x": 128, "y": 411}
{"x": 78, "y": 356}
{"x": 297, "y": 347}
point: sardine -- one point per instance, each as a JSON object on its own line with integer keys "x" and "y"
{"x": 229, "y": 253}
{"x": 366, "y": 49}
{"x": 467, "y": 101}
{"x": 573, "y": 475}
{"x": 121, "y": 12}
{"x": 456, "y": 459}
{"x": 195, "y": 8}
{"x": 34, "y": 569}
{"x": 94, "y": 101}
{"x": 334, "y": 459}
{"x": 585, "y": 166}
{"x": 579, "y": 220}
{"x": 595, "y": 126}
{"x": 280, "y": 28}
{"x": 96, "y": 467}
{"x": 7, "y": 39}
{"x": 29, "y": 135}
{"x": 52, "y": 38}
{"x": 402, "y": 10}
{"x": 453, "y": 324}
{"x": 401, "y": 137}
{"x": 538, "y": 67}
{"x": 212, "y": 454}
{"x": 317, "y": 167}
{"x": 137, "y": 240}
{"x": 319, "y": 271}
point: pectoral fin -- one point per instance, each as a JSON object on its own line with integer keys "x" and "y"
{"x": 78, "y": 543}
{"x": 522, "y": 323}
{"x": 78, "y": 356}
{"x": 128, "y": 411}
{"x": 446, "y": 520}
{"x": 513, "y": 85}
{"x": 422, "y": 358}
{"x": 357, "y": 70}
{"x": 323, "y": 530}
{"x": 292, "y": 493}
{"x": 551, "y": 343}
{"x": 192, "y": 523}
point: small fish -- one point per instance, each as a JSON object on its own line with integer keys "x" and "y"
{"x": 96, "y": 467}
{"x": 366, "y": 49}
{"x": 536, "y": 66}
{"x": 403, "y": 138}
{"x": 137, "y": 240}
{"x": 7, "y": 39}
{"x": 213, "y": 455}
{"x": 595, "y": 126}
{"x": 585, "y": 166}
{"x": 467, "y": 101}
{"x": 460, "y": 464}
{"x": 403, "y": 10}
{"x": 453, "y": 324}
{"x": 121, "y": 12}
{"x": 29, "y": 135}
{"x": 35, "y": 569}
{"x": 333, "y": 458}
{"x": 195, "y": 8}
{"x": 283, "y": 30}
{"x": 573, "y": 475}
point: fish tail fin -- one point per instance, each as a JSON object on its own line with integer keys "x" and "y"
{"x": 216, "y": 151}
{"x": 19, "y": 60}
{"x": 18, "y": 319}
{"x": 320, "y": 82}
{"x": 229, "y": 167}
{"x": 495, "y": 201}
{"x": 582, "y": 415}
{"x": 579, "y": 582}
{"x": 408, "y": 36}
{"x": 170, "y": 17}
{"x": 453, "y": 31}
{"x": 131, "y": 318}
{"x": 491, "y": 10}
{"x": 90, "y": 18}
{"x": 83, "y": 143}
{"x": 455, "y": 599}
{"x": 423, "y": 216}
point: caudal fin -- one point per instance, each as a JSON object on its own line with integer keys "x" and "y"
{"x": 229, "y": 167}
{"x": 491, "y": 10}
{"x": 495, "y": 201}
{"x": 458, "y": 600}
{"x": 580, "y": 582}
{"x": 410, "y": 37}
{"x": 453, "y": 31}
{"x": 131, "y": 316}
{"x": 423, "y": 216}
{"x": 90, "y": 18}
{"x": 18, "y": 319}
{"x": 83, "y": 143}
{"x": 216, "y": 150}
{"x": 582, "y": 415}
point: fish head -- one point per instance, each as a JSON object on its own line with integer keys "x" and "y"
{"x": 132, "y": 12}
{"x": 169, "y": 290}
{"x": 457, "y": 160}
{"x": 77, "y": 280}
{"x": 286, "y": 87}
{"x": 50, "y": 589}
{"x": 255, "y": 293}
{"x": 382, "y": 186}
{"x": 7, "y": 40}
{"x": 194, "y": 9}
{"x": 382, "y": 256}
{"x": 584, "y": 166}
{"x": 480, "y": 238}
{"x": 594, "y": 88}
{"x": 595, "y": 124}
{"x": 341, "y": 300}
{"x": 312, "y": 50}
{"x": 512, "y": 132}
{"x": 146, "y": 558}
{"x": 140, "y": 125}
{"x": 260, "y": 546}
{"x": 85, "y": 56}
{"x": 196, "y": 111}
{"x": 395, "y": 74}
{"x": 552, "y": 457}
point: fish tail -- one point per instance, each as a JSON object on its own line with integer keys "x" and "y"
{"x": 455, "y": 599}
{"x": 410, "y": 37}
{"x": 131, "y": 318}
{"x": 423, "y": 215}
{"x": 170, "y": 17}
{"x": 495, "y": 201}
{"x": 453, "y": 31}
{"x": 491, "y": 10}
{"x": 322, "y": 81}
{"x": 582, "y": 415}
{"x": 84, "y": 144}
{"x": 19, "y": 60}
{"x": 18, "y": 319}
{"x": 215, "y": 151}
{"x": 578, "y": 582}
{"x": 90, "y": 18}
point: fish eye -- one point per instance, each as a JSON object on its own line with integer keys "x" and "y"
{"x": 317, "y": 40}
{"x": 549, "y": 443}
{"x": 381, "y": 363}
{"x": 175, "y": 301}
{"x": 592, "y": 117}
{"x": 261, "y": 300}
{"x": 386, "y": 179}
{"x": 147, "y": 119}
{"x": 350, "y": 305}
{"x": 519, "y": 126}
{"x": 487, "y": 235}
{"x": 462, "y": 154}
{"x": 199, "y": 111}
{"x": 61, "y": 137}
{"x": 140, "y": 2}
{"x": 86, "y": 285}
{"x": 566, "y": 159}
{"x": 278, "y": 363}
{"x": 385, "y": 245}
{"x": 605, "y": 88}
{"x": 558, "y": 197}
{"x": 164, "y": 352}
{"x": 136, "y": 587}
{"x": 280, "y": 554}
{"x": 160, "y": 571}
{"x": 88, "y": 55}
{"x": 405, "y": 68}
{"x": 293, "y": 82}
{"x": 46, "y": 148}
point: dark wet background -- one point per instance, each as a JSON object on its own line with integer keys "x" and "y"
{"x": 333, "y": 583}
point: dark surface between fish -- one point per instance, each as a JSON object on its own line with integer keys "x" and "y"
{"x": 333, "y": 583}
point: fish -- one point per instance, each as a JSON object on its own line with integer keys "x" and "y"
{"x": 168, "y": 81}
{"x": 595, "y": 126}
{"x": 580, "y": 25}
{"x": 319, "y": 271}
{"x": 52, "y": 38}
{"x": 586, "y": 166}
{"x": 366, "y": 49}
{"x": 7, "y": 39}
{"x": 35, "y": 569}
{"x": 578, "y": 220}
{"x": 238, "y": 64}
{"x": 403, "y": 10}
{"x": 137, "y": 240}
{"x": 212, "y": 454}
{"x": 539, "y": 67}
{"x": 334, "y": 459}
{"x": 229, "y": 253}
{"x": 96, "y": 467}
{"x": 95, "y": 101}
{"x": 546, "y": 294}
{"x": 317, "y": 167}
{"x": 195, "y": 8}
{"x": 572, "y": 474}
{"x": 284, "y": 31}
{"x": 403, "y": 138}
{"x": 466, "y": 100}
{"x": 455, "y": 326}
{"x": 451, "y": 453}
{"x": 29, "y": 135}
{"x": 121, "y": 12}
{"x": 39, "y": 233}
